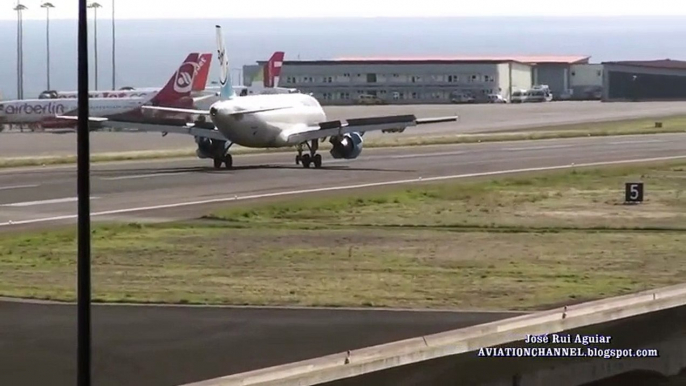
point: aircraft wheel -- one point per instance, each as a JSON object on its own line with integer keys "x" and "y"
{"x": 217, "y": 163}
{"x": 306, "y": 161}
{"x": 317, "y": 161}
{"x": 228, "y": 161}
{"x": 298, "y": 158}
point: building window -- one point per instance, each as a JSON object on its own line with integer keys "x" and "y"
{"x": 371, "y": 78}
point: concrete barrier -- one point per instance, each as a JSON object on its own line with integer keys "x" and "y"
{"x": 376, "y": 358}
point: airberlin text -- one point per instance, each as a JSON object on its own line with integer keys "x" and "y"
{"x": 50, "y": 108}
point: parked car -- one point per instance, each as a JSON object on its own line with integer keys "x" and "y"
{"x": 367, "y": 99}
{"x": 496, "y": 98}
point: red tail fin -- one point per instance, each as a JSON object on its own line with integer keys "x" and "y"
{"x": 203, "y": 71}
{"x": 180, "y": 84}
{"x": 273, "y": 69}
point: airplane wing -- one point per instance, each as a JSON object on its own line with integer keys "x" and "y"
{"x": 207, "y": 112}
{"x": 196, "y": 129}
{"x": 387, "y": 124}
{"x": 76, "y": 118}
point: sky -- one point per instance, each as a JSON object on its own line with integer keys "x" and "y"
{"x": 222, "y": 9}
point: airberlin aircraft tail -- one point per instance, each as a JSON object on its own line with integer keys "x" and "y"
{"x": 202, "y": 72}
{"x": 181, "y": 83}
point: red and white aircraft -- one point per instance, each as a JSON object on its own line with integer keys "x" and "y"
{"x": 62, "y": 112}
{"x": 201, "y": 68}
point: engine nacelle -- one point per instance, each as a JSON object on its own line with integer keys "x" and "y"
{"x": 347, "y": 146}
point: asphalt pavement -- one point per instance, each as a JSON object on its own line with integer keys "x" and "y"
{"x": 165, "y": 346}
{"x": 183, "y": 189}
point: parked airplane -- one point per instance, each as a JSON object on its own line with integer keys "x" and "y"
{"x": 201, "y": 70}
{"x": 61, "y": 113}
{"x": 281, "y": 120}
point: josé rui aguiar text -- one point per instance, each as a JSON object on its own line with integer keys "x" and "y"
{"x": 553, "y": 345}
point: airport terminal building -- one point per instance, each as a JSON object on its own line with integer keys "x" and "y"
{"x": 435, "y": 80}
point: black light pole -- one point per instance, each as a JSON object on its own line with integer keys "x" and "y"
{"x": 47, "y": 7}
{"x": 83, "y": 192}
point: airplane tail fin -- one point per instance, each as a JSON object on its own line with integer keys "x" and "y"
{"x": 227, "y": 91}
{"x": 180, "y": 84}
{"x": 272, "y": 70}
{"x": 202, "y": 73}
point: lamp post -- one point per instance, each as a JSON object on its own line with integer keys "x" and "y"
{"x": 47, "y": 7}
{"x": 95, "y": 7}
{"x": 113, "y": 50}
{"x": 20, "y": 50}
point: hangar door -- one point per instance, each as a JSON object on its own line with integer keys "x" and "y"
{"x": 623, "y": 85}
{"x": 553, "y": 76}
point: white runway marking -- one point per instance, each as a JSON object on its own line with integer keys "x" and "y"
{"x": 18, "y": 187}
{"x": 333, "y": 188}
{"x": 46, "y": 202}
{"x": 141, "y": 176}
{"x": 536, "y": 147}
{"x": 644, "y": 141}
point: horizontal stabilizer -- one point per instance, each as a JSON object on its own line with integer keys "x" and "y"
{"x": 76, "y": 118}
{"x": 176, "y": 110}
{"x": 262, "y": 110}
{"x": 189, "y": 129}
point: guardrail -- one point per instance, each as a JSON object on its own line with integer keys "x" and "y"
{"x": 385, "y": 356}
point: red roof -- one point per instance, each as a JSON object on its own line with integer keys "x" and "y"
{"x": 531, "y": 59}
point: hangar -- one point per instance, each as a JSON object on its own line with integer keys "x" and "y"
{"x": 429, "y": 79}
{"x": 649, "y": 80}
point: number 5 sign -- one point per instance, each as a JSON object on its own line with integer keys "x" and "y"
{"x": 633, "y": 192}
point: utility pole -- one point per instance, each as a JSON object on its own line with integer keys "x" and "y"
{"x": 47, "y": 7}
{"x": 95, "y": 7}
{"x": 20, "y": 49}
{"x": 83, "y": 193}
{"x": 113, "y": 50}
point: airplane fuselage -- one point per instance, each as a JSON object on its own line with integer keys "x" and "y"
{"x": 269, "y": 128}
{"x": 42, "y": 110}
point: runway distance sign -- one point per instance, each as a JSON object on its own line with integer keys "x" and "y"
{"x": 633, "y": 192}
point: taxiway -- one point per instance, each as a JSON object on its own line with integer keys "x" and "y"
{"x": 473, "y": 119}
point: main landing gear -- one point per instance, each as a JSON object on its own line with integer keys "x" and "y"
{"x": 227, "y": 160}
{"x": 223, "y": 157}
{"x": 307, "y": 159}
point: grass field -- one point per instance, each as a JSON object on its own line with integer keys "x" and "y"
{"x": 519, "y": 243}
{"x": 675, "y": 124}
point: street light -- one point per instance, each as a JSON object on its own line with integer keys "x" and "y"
{"x": 95, "y": 7}
{"x": 47, "y": 7}
{"x": 113, "y": 50}
{"x": 20, "y": 50}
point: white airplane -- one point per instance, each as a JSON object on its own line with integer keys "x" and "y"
{"x": 278, "y": 120}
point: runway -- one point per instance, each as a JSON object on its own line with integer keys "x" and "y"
{"x": 165, "y": 346}
{"x": 473, "y": 119}
{"x": 165, "y": 190}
